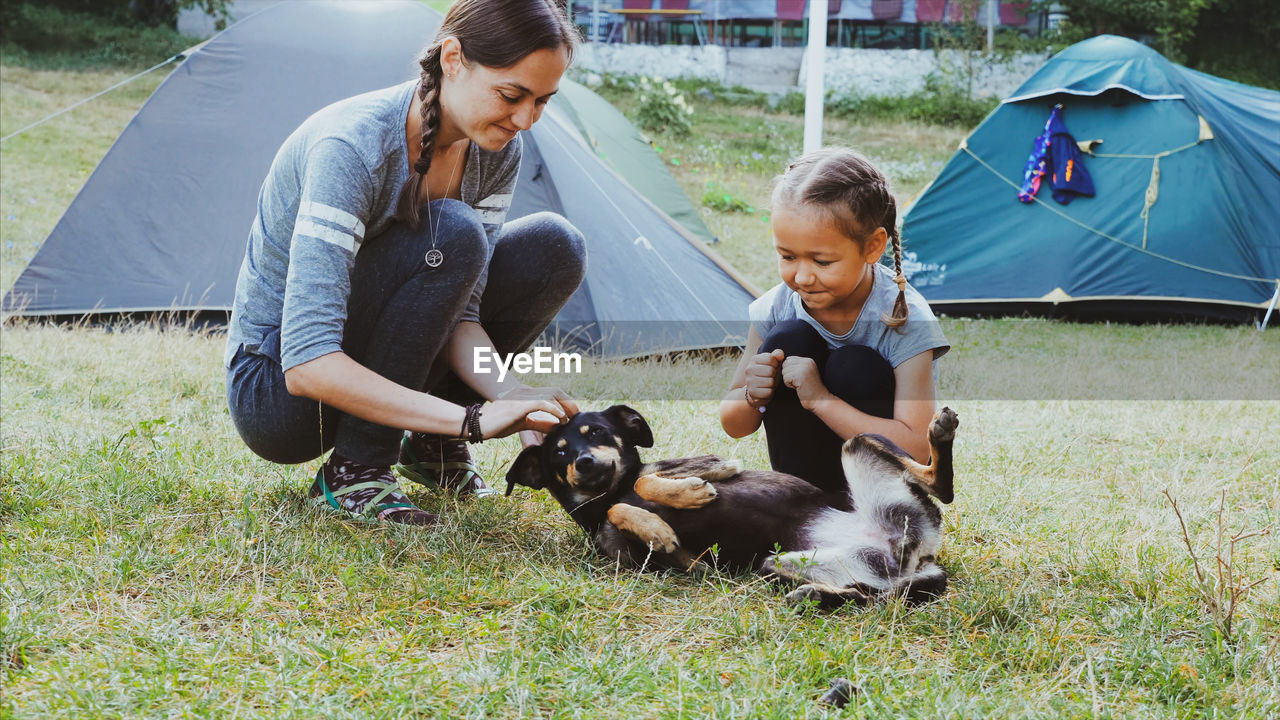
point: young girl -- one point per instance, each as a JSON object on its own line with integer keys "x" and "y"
{"x": 843, "y": 346}
{"x": 379, "y": 262}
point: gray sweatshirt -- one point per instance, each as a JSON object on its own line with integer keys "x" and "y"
{"x": 332, "y": 185}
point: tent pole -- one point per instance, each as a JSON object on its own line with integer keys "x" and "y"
{"x": 991, "y": 24}
{"x": 1267, "y": 318}
{"x": 814, "y": 93}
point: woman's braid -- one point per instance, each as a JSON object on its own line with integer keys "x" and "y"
{"x": 407, "y": 209}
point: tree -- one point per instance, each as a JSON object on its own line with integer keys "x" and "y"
{"x": 147, "y": 12}
{"x": 1171, "y": 23}
{"x": 165, "y": 12}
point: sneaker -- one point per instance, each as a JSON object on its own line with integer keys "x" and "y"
{"x": 442, "y": 462}
{"x": 365, "y": 493}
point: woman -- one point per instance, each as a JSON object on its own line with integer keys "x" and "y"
{"x": 379, "y": 262}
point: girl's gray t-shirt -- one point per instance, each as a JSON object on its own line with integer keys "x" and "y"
{"x": 920, "y": 333}
{"x": 332, "y": 185}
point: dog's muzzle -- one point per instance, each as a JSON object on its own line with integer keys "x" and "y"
{"x": 592, "y": 473}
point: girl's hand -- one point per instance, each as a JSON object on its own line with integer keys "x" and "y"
{"x": 802, "y": 374}
{"x": 503, "y": 417}
{"x": 762, "y": 375}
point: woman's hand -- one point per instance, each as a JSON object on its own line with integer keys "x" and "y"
{"x": 503, "y": 417}
{"x": 551, "y": 394}
{"x": 762, "y": 375}
{"x": 801, "y": 374}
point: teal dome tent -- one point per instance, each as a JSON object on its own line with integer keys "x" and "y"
{"x": 1185, "y": 222}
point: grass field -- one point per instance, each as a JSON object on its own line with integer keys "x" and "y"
{"x": 152, "y": 567}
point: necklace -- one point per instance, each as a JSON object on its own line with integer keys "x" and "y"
{"x": 434, "y": 258}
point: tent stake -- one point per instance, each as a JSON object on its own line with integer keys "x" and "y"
{"x": 1267, "y": 318}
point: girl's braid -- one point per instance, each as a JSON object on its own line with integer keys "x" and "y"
{"x": 407, "y": 209}
{"x": 889, "y": 221}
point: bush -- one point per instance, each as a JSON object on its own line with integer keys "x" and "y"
{"x": 791, "y": 103}
{"x": 714, "y": 91}
{"x": 662, "y": 108}
{"x": 716, "y": 198}
{"x": 938, "y": 103}
{"x": 48, "y": 37}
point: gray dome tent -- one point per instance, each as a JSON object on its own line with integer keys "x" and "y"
{"x": 161, "y": 223}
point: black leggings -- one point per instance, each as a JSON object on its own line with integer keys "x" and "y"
{"x": 800, "y": 443}
{"x": 399, "y": 316}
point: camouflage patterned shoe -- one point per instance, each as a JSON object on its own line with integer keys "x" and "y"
{"x": 435, "y": 460}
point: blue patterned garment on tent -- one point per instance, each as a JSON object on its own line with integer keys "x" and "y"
{"x": 1038, "y": 161}
{"x": 1056, "y": 154}
{"x": 1067, "y": 175}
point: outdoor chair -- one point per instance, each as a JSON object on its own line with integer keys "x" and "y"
{"x": 930, "y": 10}
{"x": 788, "y": 11}
{"x": 639, "y": 22}
{"x": 1013, "y": 12}
{"x": 673, "y": 28}
{"x": 957, "y": 9}
{"x": 885, "y": 9}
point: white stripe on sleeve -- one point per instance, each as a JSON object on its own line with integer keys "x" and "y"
{"x": 491, "y": 216}
{"x": 497, "y": 200}
{"x": 334, "y": 215}
{"x": 312, "y": 229}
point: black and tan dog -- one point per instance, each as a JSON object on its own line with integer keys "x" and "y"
{"x": 873, "y": 541}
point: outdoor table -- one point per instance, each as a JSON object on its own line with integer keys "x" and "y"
{"x": 627, "y": 14}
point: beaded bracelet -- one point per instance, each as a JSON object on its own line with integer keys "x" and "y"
{"x": 471, "y": 424}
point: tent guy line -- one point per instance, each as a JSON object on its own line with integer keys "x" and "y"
{"x": 1099, "y": 233}
{"x": 94, "y": 96}
{"x": 647, "y": 245}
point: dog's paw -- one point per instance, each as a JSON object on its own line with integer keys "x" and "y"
{"x": 681, "y": 493}
{"x": 692, "y": 492}
{"x": 804, "y": 596}
{"x": 943, "y": 427}
{"x": 660, "y": 537}
{"x": 645, "y": 526}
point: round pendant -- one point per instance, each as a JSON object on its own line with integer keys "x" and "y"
{"x": 434, "y": 258}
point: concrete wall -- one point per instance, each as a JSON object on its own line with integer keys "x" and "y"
{"x": 708, "y": 62}
{"x": 889, "y": 73}
{"x": 774, "y": 70}
{"x": 848, "y": 70}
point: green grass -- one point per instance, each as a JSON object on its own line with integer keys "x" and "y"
{"x": 152, "y": 566}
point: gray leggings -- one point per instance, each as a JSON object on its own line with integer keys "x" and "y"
{"x": 399, "y": 316}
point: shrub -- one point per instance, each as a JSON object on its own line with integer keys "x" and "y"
{"x": 663, "y": 108}
{"x": 720, "y": 200}
{"x": 938, "y": 103}
{"x": 792, "y": 103}
{"x": 46, "y": 36}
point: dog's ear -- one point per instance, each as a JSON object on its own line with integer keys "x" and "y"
{"x": 527, "y": 470}
{"x": 631, "y": 425}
